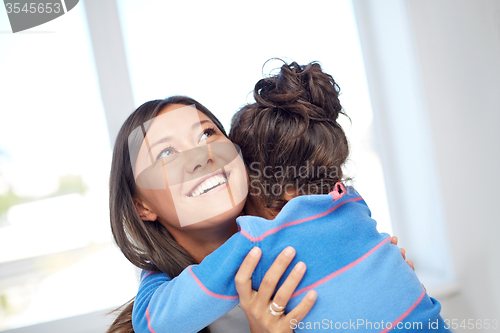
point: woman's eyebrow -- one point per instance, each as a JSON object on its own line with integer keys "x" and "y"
{"x": 162, "y": 140}
{"x": 201, "y": 122}
{"x": 169, "y": 137}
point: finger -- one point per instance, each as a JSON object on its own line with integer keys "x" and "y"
{"x": 403, "y": 253}
{"x": 394, "y": 240}
{"x": 301, "y": 310}
{"x": 288, "y": 287}
{"x": 411, "y": 264}
{"x": 243, "y": 278}
{"x": 272, "y": 276}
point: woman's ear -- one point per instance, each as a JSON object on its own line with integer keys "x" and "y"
{"x": 144, "y": 211}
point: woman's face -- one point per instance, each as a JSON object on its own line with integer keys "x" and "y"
{"x": 187, "y": 172}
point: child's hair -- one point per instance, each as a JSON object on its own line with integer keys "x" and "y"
{"x": 290, "y": 137}
{"x": 146, "y": 244}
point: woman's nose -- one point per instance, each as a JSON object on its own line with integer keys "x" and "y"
{"x": 198, "y": 158}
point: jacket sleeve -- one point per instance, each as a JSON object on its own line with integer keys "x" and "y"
{"x": 195, "y": 298}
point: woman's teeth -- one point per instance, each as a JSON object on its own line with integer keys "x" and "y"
{"x": 208, "y": 185}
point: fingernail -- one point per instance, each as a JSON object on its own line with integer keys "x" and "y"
{"x": 311, "y": 295}
{"x": 300, "y": 266}
{"x": 255, "y": 252}
{"x": 289, "y": 251}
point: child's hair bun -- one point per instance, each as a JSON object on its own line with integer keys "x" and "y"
{"x": 292, "y": 127}
{"x": 306, "y": 91}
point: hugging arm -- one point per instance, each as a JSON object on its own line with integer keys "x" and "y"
{"x": 195, "y": 298}
{"x": 165, "y": 305}
{"x": 203, "y": 293}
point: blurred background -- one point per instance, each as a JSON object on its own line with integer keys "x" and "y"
{"x": 420, "y": 80}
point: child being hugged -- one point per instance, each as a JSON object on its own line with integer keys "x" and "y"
{"x": 294, "y": 149}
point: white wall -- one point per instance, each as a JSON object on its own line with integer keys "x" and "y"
{"x": 438, "y": 63}
{"x": 458, "y": 50}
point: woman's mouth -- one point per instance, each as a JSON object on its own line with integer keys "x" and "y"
{"x": 208, "y": 185}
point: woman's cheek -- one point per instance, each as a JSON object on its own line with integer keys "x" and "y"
{"x": 238, "y": 181}
{"x": 162, "y": 204}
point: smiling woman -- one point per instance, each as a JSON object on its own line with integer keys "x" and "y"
{"x": 177, "y": 185}
{"x": 157, "y": 192}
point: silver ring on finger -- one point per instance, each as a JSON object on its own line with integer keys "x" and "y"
{"x": 279, "y": 309}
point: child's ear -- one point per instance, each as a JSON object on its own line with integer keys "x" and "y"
{"x": 144, "y": 211}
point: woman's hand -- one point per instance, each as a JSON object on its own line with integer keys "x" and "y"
{"x": 257, "y": 304}
{"x": 394, "y": 240}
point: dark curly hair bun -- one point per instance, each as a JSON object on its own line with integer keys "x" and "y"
{"x": 303, "y": 90}
{"x": 292, "y": 125}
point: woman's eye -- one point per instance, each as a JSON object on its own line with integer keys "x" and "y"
{"x": 207, "y": 133}
{"x": 166, "y": 152}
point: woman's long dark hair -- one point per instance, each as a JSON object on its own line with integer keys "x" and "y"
{"x": 146, "y": 244}
{"x": 292, "y": 125}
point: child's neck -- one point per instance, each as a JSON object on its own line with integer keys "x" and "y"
{"x": 256, "y": 206}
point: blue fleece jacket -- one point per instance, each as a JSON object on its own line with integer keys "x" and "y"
{"x": 363, "y": 283}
